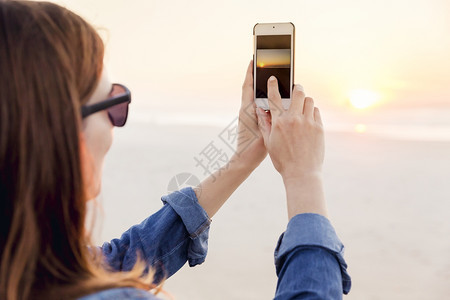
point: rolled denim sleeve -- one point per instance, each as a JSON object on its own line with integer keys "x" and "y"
{"x": 177, "y": 233}
{"x": 309, "y": 260}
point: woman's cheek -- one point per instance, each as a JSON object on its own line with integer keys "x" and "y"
{"x": 103, "y": 135}
{"x": 98, "y": 136}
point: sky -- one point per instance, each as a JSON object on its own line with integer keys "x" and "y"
{"x": 273, "y": 58}
{"x": 182, "y": 55}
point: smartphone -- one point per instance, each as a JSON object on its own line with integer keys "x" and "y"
{"x": 273, "y": 54}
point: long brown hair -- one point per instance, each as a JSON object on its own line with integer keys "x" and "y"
{"x": 50, "y": 63}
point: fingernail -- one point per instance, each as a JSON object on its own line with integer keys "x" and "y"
{"x": 272, "y": 78}
{"x": 298, "y": 87}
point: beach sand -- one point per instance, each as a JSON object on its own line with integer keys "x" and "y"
{"x": 388, "y": 201}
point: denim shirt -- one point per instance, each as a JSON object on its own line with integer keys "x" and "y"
{"x": 309, "y": 260}
{"x": 308, "y": 257}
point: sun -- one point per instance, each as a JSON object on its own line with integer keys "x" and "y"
{"x": 362, "y": 99}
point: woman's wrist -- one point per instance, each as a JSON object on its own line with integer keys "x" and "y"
{"x": 299, "y": 177}
{"x": 305, "y": 194}
{"x": 245, "y": 165}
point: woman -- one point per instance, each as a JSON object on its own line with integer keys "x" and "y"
{"x": 57, "y": 113}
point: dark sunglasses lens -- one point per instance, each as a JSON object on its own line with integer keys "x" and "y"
{"x": 117, "y": 90}
{"x": 118, "y": 114}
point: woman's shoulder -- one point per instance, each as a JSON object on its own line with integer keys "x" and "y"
{"x": 120, "y": 293}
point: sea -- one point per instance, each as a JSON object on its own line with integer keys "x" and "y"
{"x": 415, "y": 124}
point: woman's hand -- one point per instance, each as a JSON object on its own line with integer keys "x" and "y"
{"x": 250, "y": 149}
{"x": 294, "y": 139}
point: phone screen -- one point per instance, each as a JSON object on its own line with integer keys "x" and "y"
{"x": 273, "y": 57}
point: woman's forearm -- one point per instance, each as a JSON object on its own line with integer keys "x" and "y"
{"x": 218, "y": 187}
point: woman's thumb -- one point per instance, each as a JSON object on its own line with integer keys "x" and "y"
{"x": 263, "y": 123}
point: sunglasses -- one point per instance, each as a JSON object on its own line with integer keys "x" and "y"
{"x": 116, "y": 105}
